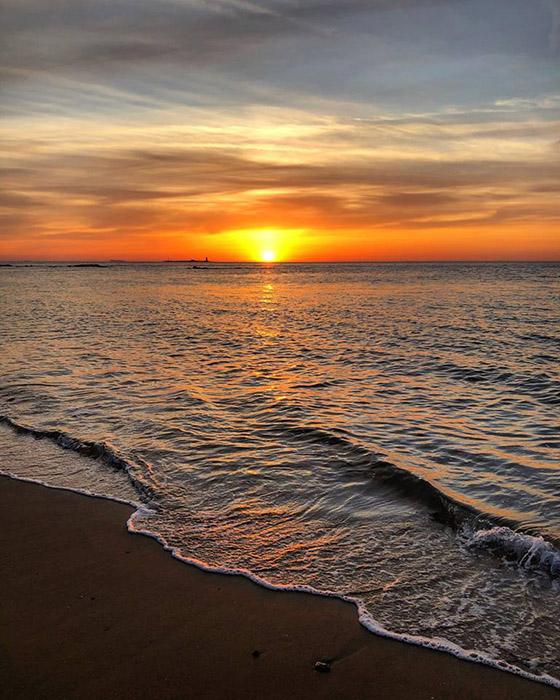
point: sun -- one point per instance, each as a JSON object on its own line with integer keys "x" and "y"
{"x": 264, "y": 245}
{"x": 268, "y": 255}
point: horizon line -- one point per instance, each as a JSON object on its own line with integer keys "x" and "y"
{"x": 114, "y": 261}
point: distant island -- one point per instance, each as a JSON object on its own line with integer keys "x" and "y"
{"x": 191, "y": 260}
{"x": 86, "y": 265}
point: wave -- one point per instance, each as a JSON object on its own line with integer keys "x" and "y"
{"x": 540, "y": 386}
{"x": 475, "y": 529}
{"x": 446, "y": 508}
{"x": 528, "y": 551}
{"x": 99, "y": 451}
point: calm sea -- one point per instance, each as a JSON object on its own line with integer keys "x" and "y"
{"x": 385, "y": 432}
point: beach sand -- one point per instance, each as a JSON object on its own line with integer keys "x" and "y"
{"x": 90, "y": 611}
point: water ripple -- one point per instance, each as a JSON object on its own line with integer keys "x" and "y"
{"x": 389, "y": 432}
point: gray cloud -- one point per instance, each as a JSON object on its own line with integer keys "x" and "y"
{"x": 554, "y": 35}
{"x": 355, "y": 49}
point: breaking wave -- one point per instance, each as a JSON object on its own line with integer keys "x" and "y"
{"x": 477, "y": 530}
{"x": 527, "y": 551}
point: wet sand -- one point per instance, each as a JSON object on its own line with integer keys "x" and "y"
{"x": 90, "y": 611}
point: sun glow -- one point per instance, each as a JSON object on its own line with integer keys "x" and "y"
{"x": 266, "y": 245}
{"x": 268, "y": 256}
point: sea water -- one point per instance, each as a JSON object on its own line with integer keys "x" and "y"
{"x": 389, "y": 433}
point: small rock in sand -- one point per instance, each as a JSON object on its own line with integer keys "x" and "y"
{"x": 322, "y": 666}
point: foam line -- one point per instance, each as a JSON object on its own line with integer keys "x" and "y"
{"x": 364, "y": 617}
{"x": 532, "y": 552}
{"x": 71, "y": 489}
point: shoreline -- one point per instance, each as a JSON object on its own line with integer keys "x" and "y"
{"x": 89, "y": 610}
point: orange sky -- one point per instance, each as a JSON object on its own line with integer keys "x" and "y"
{"x": 278, "y": 183}
{"x": 512, "y": 243}
{"x": 261, "y": 130}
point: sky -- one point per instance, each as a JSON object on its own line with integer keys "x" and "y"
{"x": 280, "y": 129}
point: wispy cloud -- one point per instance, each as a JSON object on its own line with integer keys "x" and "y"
{"x": 133, "y": 119}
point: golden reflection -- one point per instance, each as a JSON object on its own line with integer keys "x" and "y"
{"x": 267, "y": 293}
{"x": 264, "y": 332}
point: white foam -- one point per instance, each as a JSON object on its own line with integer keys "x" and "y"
{"x": 364, "y": 617}
{"x": 71, "y": 489}
{"x": 530, "y": 552}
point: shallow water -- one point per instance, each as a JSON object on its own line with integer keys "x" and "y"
{"x": 389, "y": 432}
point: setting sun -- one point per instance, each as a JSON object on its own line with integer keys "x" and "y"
{"x": 266, "y": 245}
{"x": 268, "y": 256}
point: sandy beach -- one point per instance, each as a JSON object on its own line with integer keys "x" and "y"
{"x": 90, "y": 611}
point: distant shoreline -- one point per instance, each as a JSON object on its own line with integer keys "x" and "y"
{"x": 110, "y": 263}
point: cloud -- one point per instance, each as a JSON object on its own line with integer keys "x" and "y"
{"x": 304, "y": 44}
{"x": 140, "y": 117}
{"x": 149, "y": 190}
{"x": 554, "y": 35}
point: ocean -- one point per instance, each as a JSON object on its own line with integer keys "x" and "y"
{"x": 387, "y": 433}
